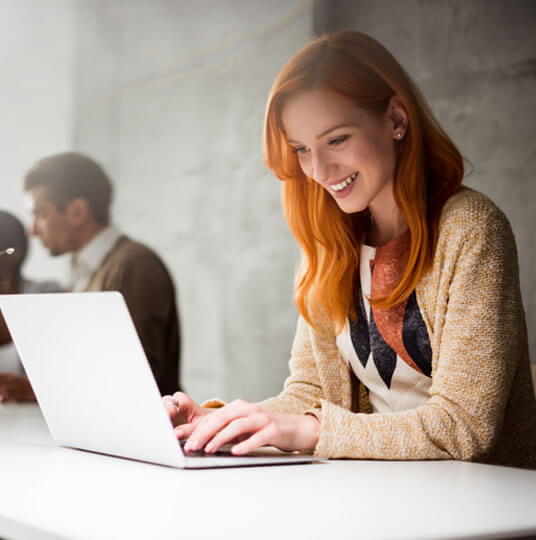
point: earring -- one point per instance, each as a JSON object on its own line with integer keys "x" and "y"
{"x": 399, "y": 135}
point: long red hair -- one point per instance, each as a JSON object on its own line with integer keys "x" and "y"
{"x": 429, "y": 170}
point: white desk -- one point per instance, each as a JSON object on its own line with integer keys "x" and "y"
{"x": 49, "y": 492}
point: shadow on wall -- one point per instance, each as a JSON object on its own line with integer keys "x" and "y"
{"x": 533, "y": 367}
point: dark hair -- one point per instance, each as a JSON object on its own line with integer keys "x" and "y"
{"x": 70, "y": 175}
{"x": 12, "y": 234}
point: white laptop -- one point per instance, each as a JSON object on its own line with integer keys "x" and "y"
{"x": 94, "y": 384}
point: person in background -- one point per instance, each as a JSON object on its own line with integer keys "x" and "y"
{"x": 14, "y": 385}
{"x": 71, "y": 197}
{"x": 411, "y": 342}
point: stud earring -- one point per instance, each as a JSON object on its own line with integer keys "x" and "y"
{"x": 399, "y": 135}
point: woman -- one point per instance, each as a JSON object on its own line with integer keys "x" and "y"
{"x": 411, "y": 341}
{"x": 14, "y": 385}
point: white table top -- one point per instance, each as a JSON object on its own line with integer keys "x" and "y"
{"x": 50, "y": 492}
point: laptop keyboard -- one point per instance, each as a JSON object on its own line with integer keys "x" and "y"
{"x": 225, "y": 450}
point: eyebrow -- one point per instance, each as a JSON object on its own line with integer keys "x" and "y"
{"x": 324, "y": 133}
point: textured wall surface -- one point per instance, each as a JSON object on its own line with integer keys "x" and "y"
{"x": 170, "y": 98}
{"x": 37, "y": 54}
{"x": 476, "y": 64}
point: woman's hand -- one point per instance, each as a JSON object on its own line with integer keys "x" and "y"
{"x": 183, "y": 413}
{"x": 15, "y": 388}
{"x": 253, "y": 427}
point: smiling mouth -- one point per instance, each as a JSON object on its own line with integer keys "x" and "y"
{"x": 345, "y": 183}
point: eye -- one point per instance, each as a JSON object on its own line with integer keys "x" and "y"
{"x": 300, "y": 150}
{"x": 338, "y": 140}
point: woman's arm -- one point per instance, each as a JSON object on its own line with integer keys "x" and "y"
{"x": 302, "y": 388}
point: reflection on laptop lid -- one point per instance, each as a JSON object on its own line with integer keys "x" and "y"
{"x": 94, "y": 384}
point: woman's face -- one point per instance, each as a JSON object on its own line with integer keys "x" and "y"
{"x": 346, "y": 149}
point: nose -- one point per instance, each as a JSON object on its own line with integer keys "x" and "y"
{"x": 320, "y": 167}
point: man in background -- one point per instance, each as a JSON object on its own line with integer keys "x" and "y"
{"x": 14, "y": 385}
{"x": 71, "y": 198}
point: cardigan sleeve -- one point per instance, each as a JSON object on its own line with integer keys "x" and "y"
{"x": 302, "y": 389}
{"x": 481, "y": 340}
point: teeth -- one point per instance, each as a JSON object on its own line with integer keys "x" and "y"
{"x": 344, "y": 183}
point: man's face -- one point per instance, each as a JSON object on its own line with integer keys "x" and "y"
{"x": 52, "y": 225}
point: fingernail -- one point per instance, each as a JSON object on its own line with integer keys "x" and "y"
{"x": 209, "y": 448}
{"x": 179, "y": 433}
{"x": 193, "y": 445}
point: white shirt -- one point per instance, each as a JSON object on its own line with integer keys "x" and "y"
{"x": 90, "y": 257}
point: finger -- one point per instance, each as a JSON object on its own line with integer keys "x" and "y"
{"x": 210, "y": 424}
{"x": 10, "y": 392}
{"x": 186, "y": 406}
{"x": 235, "y": 429}
{"x": 179, "y": 407}
{"x": 7, "y": 397}
{"x": 172, "y": 412}
{"x": 184, "y": 431}
{"x": 169, "y": 404}
{"x": 171, "y": 408}
{"x": 5, "y": 391}
{"x": 257, "y": 440}
{"x": 180, "y": 398}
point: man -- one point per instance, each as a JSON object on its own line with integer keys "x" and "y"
{"x": 71, "y": 197}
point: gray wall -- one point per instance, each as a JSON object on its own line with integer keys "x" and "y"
{"x": 170, "y": 98}
{"x": 37, "y": 55}
{"x": 475, "y": 61}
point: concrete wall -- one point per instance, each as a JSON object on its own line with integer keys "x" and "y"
{"x": 170, "y": 98}
{"x": 476, "y": 63}
{"x": 36, "y": 100}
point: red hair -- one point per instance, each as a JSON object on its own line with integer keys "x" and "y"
{"x": 429, "y": 170}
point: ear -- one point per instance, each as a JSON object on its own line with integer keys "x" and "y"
{"x": 398, "y": 116}
{"x": 78, "y": 211}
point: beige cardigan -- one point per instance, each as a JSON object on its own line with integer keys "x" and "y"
{"x": 482, "y": 404}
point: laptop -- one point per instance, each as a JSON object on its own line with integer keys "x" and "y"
{"x": 94, "y": 385}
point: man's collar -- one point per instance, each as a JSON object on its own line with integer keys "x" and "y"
{"x": 85, "y": 262}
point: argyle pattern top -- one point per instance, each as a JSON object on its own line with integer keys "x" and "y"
{"x": 388, "y": 349}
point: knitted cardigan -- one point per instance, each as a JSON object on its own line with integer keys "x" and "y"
{"x": 482, "y": 405}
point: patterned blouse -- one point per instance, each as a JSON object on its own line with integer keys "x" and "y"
{"x": 388, "y": 349}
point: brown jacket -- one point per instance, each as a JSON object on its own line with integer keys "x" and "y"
{"x": 140, "y": 275}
